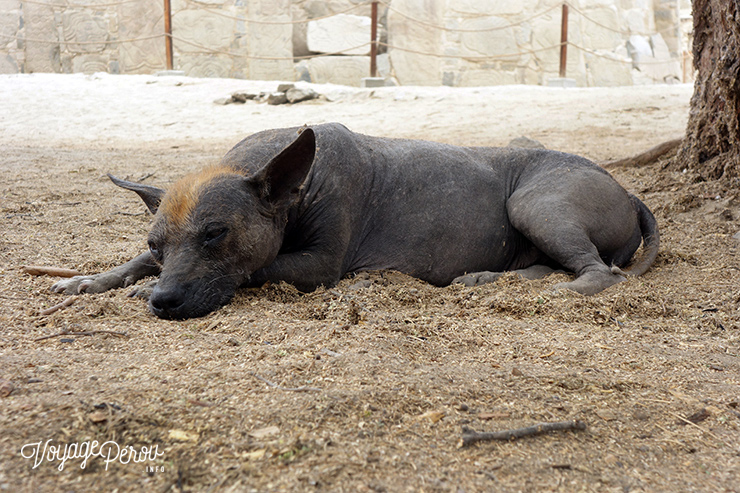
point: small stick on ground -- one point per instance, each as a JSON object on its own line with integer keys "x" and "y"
{"x": 63, "y": 304}
{"x": 288, "y": 389}
{"x": 86, "y": 333}
{"x": 41, "y": 270}
{"x": 471, "y": 436}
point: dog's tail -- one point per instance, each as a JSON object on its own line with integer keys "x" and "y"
{"x": 650, "y": 241}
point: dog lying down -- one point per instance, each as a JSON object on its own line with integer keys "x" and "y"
{"x": 309, "y": 205}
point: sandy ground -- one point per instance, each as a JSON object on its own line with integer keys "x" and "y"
{"x": 350, "y": 389}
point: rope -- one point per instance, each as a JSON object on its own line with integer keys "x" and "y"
{"x": 483, "y": 57}
{"x": 619, "y": 31}
{"x": 210, "y": 51}
{"x": 47, "y": 41}
{"x": 618, "y": 60}
{"x": 255, "y": 21}
{"x": 443, "y": 28}
{"x": 207, "y": 50}
{"x": 78, "y": 5}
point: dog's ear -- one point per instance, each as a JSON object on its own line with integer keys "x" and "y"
{"x": 151, "y": 196}
{"x": 280, "y": 181}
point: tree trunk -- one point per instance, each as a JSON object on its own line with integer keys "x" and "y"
{"x": 712, "y": 143}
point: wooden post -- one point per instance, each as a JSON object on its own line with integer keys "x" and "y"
{"x": 168, "y": 33}
{"x": 564, "y": 40}
{"x": 374, "y": 40}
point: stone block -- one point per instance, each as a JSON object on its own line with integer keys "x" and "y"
{"x": 607, "y": 69}
{"x": 44, "y": 55}
{"x": 9, "y": 24}
{"x": 89, "y": 63}
{"x": 196, "y": 65}
{"x": 487, "y": 7}
{"x": 8, "y": 64}
{"x": 199, "y": 29}
{"x": 345, "y": 70}
{"x": 340, "y": 33}
{"x": 660, "y": 47}
{"x": 300, "y": 30}
{"x": 10, "y": 5}
{"x": 383, "y": 64}
{"x": 635, "y": 20}
{"x": 136, "y": 20}
{"x": 270, "y": 41}
{"x": 596, "y": 37}
{"x": 88, "y": 29}
{"x": 492, "y": 38}
{"x": 547, "y": 41}
{"x": 413, "y": 68}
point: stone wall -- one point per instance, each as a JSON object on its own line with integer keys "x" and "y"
{"x": 488, "y": 42}
{"x": 57, "y": 38}
{"x": 424, "y": 42}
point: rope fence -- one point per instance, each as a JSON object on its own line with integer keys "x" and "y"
{"x": 168, "y": 36}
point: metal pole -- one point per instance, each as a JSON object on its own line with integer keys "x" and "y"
{"x": 168, "y": 33}
{"x": 374, "y": 40}
{"x": 564, "y": 40}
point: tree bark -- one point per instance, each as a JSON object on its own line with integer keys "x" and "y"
{"x": 712, "y": 143}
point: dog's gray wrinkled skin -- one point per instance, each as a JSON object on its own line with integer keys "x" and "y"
{"x": 307, "y": 206}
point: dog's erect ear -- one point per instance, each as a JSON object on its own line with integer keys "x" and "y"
{"x": 280, "y": 181}
{"x": 151, "y": 196}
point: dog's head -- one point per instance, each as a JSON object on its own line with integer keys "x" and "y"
{"x": 214, "y": 228}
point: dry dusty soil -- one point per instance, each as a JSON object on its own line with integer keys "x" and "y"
{"x": 366, "y": 386}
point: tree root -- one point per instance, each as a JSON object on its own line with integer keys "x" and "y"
{"x": 645, "y": 158}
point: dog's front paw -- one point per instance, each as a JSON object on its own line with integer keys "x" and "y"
{"x": 143, "y": 291}
{"x": 476, "y": 278}
{"x": 96, "y": 283}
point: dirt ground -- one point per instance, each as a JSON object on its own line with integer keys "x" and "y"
{"x": 360, "y": 387}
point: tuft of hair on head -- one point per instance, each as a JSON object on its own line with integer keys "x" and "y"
{"x": 182, "y": 197}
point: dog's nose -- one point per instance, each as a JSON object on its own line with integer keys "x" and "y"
{"x": 167, "y": 303}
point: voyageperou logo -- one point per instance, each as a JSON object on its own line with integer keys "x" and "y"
{"x": 110, "y": 451}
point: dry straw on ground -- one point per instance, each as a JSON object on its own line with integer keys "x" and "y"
{"x": 367, "y": 386}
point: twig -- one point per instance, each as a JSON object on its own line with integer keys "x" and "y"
{"x": 688, "y": 422}
{"x": 86, "y": 333}
{"x": 288, "y": 389}
{"x": 471, "y": 436}
{"x": 40, "y": 270}
{"x": 63, "y": 304}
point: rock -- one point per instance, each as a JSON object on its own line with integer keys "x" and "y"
{"x": 242, "y": 97}
{"x": 223, "y": 101}
{"x": 344, "y": 70}
{"x": 340, "y": 33}
{"x": 285, "y": 87}
{"x": 277, "y": 98}
{"x": 295, "y": 95}
{"x": 525, "y": 143}
{"x": 6, "y": 387}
